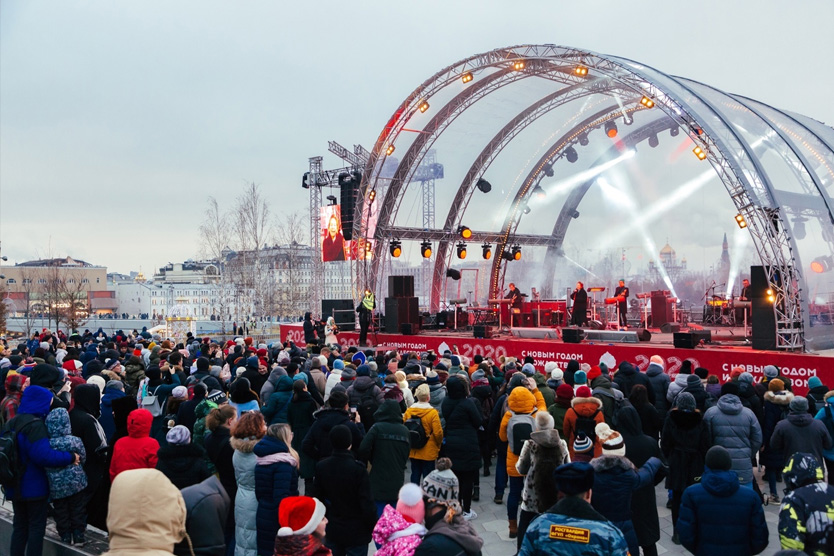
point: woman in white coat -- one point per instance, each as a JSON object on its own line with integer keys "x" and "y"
{"x": 247, "y": 431}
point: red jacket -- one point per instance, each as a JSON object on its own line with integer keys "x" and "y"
{"x": 136, "y": 450}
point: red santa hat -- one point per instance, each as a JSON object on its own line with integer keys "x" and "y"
{"x": 299, "y": 515}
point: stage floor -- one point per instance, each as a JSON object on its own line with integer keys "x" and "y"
{"x": 728, "y": 350}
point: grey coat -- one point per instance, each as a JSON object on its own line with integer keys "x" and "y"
{"x": 246, "y": 504}
{"x": 735, "y": 427}
{"x": 675, "y": 388}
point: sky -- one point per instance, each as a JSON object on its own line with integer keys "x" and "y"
{"x": 118, "y": 120}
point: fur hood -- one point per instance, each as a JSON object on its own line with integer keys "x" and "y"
{"x": 244, "y": 445}
{"x": 592, "y": 400}
{"x": 607, "y": 462}
{"x": 779, "y": 398}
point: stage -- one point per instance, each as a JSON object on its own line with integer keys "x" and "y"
{"x": 719, "y": 358}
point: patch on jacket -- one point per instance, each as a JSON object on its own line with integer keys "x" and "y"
{"x": 570, "y": 534}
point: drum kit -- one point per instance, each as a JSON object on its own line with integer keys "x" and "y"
{"x": 722, "y": 310}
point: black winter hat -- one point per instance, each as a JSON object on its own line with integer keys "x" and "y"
{"x": 340, "y": 437}
{"x": 46, "y": 376}
{"x": 203, "y": 365}
{"x": 574, "y": 478}
{"x": 718, "y": 459}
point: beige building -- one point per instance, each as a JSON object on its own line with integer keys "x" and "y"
{"x": 43, "y": 282}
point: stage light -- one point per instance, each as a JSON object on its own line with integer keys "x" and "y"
{"x": 464, "y": 232}
{"x": 390, "y": 150}
{"x": 771, "y": 298}
{"x": 516, "y": 253}
{"x": 425, "y": 249}
{"x": 611, "y": 129}
{"x": 742, "y": 223}
{"x": 461, "y": 250}
{"x": 799, "y": 227}
{"x": 583, "y": 139}
{"x": 769, "y": 292}
{"x": 396, "y": 248}
{"x": 332, "y": 199}
{"x": 539, "y": 192}
{"x": 369, "y": 247}
{"x": 372, "y": 195}
{"x": 653, "y": 140}
{"x": 304, "y": 183}
{"x": 484, "y": 185}
{"x": 574, "y": 214}
{"x": 424, "y": 106}
{"x": 647, "y": 102}
{"x": 526, "y": 209}
{"x": 628, "y": 120}
{"x": 674, "y": 131}
{"x": 571, "y": 155}
{"x": 467, "y": 77}
{"x": 518, "y": 65}
{"x": 823, "y": 264}
{"x": 507, "y": 256}
{"x": 700, "y": 153}
{"x": 486, "y": 251}
{"x": 548, "y": 170}
{"x": 581, "y": 71}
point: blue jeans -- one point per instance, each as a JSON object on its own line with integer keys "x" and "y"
{"x": 500, "y": 468}
{"x": 516, "y": 486}
{"x": 419, "y": 469}
{"x": 28, "y": 527}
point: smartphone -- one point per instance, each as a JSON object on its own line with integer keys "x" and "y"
{"x": 353, "y": 413}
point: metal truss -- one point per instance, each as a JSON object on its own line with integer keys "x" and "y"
{"x": 734, "y": 161}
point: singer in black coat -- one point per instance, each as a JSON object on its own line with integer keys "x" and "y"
{"x": 580, "y": 305}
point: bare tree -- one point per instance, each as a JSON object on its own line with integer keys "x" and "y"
{"x": 72, "y": 302}
{"x": 251, "y": 226}
{"x": 49, "y": 280}
{"x": 291, "y": 230}
{"x": 214, "y": 232}
{"x": 28, "y": 288}
{"x": 4, "y": 309}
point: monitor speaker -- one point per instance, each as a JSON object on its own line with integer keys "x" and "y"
{"x": 572, "y": 335}
{"x": 482, "y": 331}
{"x": 668, "y": 328}
{"x": 643, "y": 335}
{"x": 684, "y": 340}
{"x": 401, "y": 286}
{"x": 406, "y": 329}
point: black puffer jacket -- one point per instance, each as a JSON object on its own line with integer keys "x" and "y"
{"x": 684, "y": 442}
{"x": 462, "y": 421}
{"x": 183, "y": 464}
{"x": 85, "y": 425}
{"x": 639, "y": 448}
{"x": 342, "y": 484}
{"x": 628, "y": 375}
{"x": 207, "y": 508}
{"x": 317, "y": 442}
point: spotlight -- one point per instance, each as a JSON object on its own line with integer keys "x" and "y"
{"x": 583, "y": 139}
{"x": 799, "y": 227}
{"x": 423, "y": 106}
{"x": 516, "y": 253}
{"x": 332, "y": 199}
{"x": 425, "y": 249}
{"x": 771, "y": 298}
{"x": 464, "y": 232}
{"x": 539, "y": 192}
{"x": 484, "y": 185}
{"x": 304, "y": 183}
{"x": 581, "y": 71}
{"x": 526, "y": 209}
{"x": 486, "y": 251}
{"x": 823, "y": 264}
{"x": 372, "y": 195}
{"x": 700, "y": 153}
{"x": 647, "y": 102}
{"x": 674, "y": 131}
{"x": 742, "y": 223}
{"x": 611, "y": 129}
{"x": 628, "y": 120}
{"x": 461, "y": 250}
{"x": 518, "y": 65}
{"x": 507, "y": 256}
{"x": 467, "y": 77}
{"x": 571, "y": 155}
{"x": 574, "y": 214}
{"x": 548, "y": 170}
{"x": 653, "y": 140}
{"x": 396, "y": 248}
{"x": 390, "y": 150}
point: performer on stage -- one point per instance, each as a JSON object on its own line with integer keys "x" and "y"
{"x": 514, "y": 296}
{"x": 622, "y": 306}
{"x": 579, "y": 316}
{"x": 745, "y": 291}
{"x": 366, "y": 315}
{"x": 333, "y": 244}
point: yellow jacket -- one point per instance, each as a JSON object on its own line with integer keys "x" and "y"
{"x": 520, "y": 400}
{"x": 433, "y": 428}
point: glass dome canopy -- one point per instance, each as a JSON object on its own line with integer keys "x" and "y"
{"x": 512, "y": 115}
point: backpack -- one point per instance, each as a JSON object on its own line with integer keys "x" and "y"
{"x": 587, "y": 425}
{"x": 367, "y": 407}
{"x": 416, "y": 433}
{"x": 519, "y": 428}
{"x": 11, "y": 464}
{"x": 152, "y": 402}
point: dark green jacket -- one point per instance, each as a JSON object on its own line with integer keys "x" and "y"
{"x": 386, "y": 447}
{"x": 547, "y": 392}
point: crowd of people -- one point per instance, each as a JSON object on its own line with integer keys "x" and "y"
{"x": 214, "y": 447}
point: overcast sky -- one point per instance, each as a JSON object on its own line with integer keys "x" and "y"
{"x": 119, "y": 119}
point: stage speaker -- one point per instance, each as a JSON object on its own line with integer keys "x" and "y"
{"x": 643, "y": 335}
{"x": 763, "y": 316}
{"x": 399, "y": 310}
{"x": 538, "y": 333}
{"x": 342, "y": 311}
{"x": 407, "y": 329}
{"x": 661, "y": 310}
{"x": 401, "y": 286}
{"x": 572, "y": 335}
{"x": 668, "y": 328}
{"x": 692, "y": 339}
{"x": 482, "y": 331}
{"x": 595, "y": 325}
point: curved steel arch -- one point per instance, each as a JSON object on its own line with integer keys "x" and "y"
{"x": 744, "y": 178}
